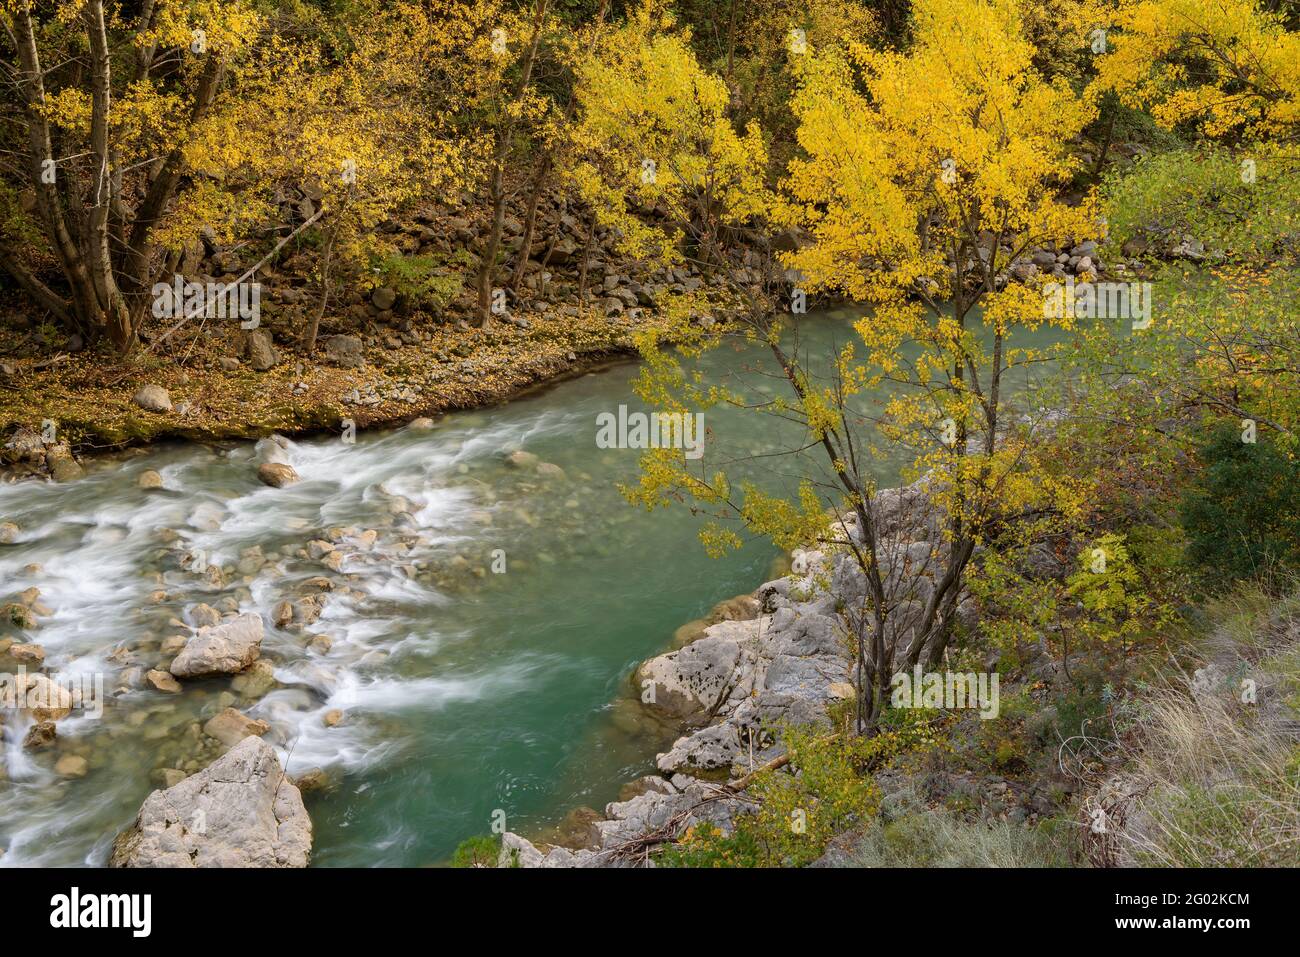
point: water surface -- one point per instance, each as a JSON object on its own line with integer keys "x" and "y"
{"x": 464, "y": 692}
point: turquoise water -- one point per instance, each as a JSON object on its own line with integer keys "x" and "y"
{"x": 466, "y": 694}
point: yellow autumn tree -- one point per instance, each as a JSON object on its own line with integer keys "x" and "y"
{"x": 106, "y": 102}
{"x": 653, "y": 132}
{"x": 1228, "y": 68}
{"x": 364, "y": 129}
{"x": 923, "y": 176}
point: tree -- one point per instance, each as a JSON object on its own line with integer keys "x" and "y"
{"x": 509, "y": 103}
{"x": 362, "y": 114}
{"x": 923, "y": 176}
{"x": 1227, "y": 68}
{"x": 105, "y": 106}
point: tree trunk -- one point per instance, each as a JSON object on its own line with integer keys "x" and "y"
{"x": 116, "y": 316}
{"x": 106, "y": 265}
{"x": 83, "y": 306}
{"x": 530, "y": 221}
{"x": 313, "y": 325}
{"x": 731, "y": 40}
{"x": 582, "y": 266}
{"x": 488, "y": 265}
{"x": 501, "y": 153}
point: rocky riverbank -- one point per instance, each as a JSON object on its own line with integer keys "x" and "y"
{"x": 387, "y": 353}
{"x": 391, "y": 349}
{"x": 782, "y": 656}
{"x": 778, "y": 656}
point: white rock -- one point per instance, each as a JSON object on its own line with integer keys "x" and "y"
{"x": 241, "y": 811}
{"x": 227, "y": 648}
{"x": 152, "y": 398}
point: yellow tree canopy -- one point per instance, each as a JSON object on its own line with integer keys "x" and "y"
{"x": 1227, "y": 67}
{"x": 959, "y": 130}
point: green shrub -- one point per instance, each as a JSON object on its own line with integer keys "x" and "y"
{"x": 1202, "y": 192}
{"x": 1242, "y": 512}
{"x": 479, "y": 851}
{"x": 424, "y": 281}
{"x": 825, "y": 790}
{"x": 705, "y": 845}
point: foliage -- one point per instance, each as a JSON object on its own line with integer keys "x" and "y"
{"x": 799, "y": 812}
{"x": 425, "y": 282}
{"x": 239, "y": 105}
{"x": 1110, "y": 593}
{"x": 478, "y": 851}
{"x": 1222, "y": 347}
{"x": 1240, "y": 205}
{"x": 653, "y": 132}
{"x": 1242, "y": 510}
{"x": 1227, "y": 68}
{"x": 103, "y": 105}
{"x": 766, "y": 38}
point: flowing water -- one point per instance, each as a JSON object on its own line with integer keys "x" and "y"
{"x": 464, "y": 690}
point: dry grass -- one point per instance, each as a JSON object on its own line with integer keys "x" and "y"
{"x": 910, "y": 834}
{"x": 1212, "y": 778}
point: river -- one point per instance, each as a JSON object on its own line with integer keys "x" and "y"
{"x": 465, "y": 691}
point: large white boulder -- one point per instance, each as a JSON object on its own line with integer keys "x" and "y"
{"x": 222, "y": 649}
{"x": 241, "y": 811}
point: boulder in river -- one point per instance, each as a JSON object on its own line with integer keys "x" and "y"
{"x": 8, "y": 533}
{"x": 256, "y": 681}
{"x": 276, "y": 474}
{"x": 63, "y": 467}
{"x": 163, "y": 681}
{"x": 521, "y": 460}
{"x": 222, "y": 649}
{"x": 698, "y": 678}
{"x": 241, "y": 811}
{"x": 32, "y": 655}
{"x": 282, "y": 613}
{"x": 149, "y": 479}
{"x": 313, "y": 780}
{"x": 232, "y": 726}
{"x": 71, "y": 766}
{"x": 204, "y": 615}
{"x": 40, "y": 735}
{"x": 18, "y": 615}
{"x": 318, "y": 548}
